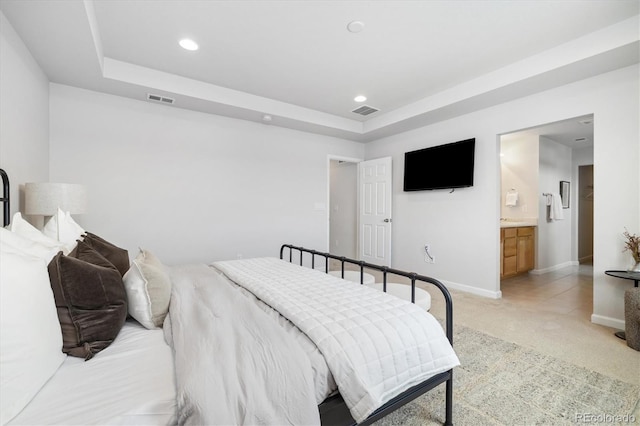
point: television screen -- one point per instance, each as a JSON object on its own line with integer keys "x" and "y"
{"x": 440, "y": 167}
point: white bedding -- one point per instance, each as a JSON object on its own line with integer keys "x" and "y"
{"x": 323, "y": 380}
{"x": 234, "y": 365}
{"x": 376, "y": 345}
{"x": 129, "y": 383}
{"x": 132, "y": 382}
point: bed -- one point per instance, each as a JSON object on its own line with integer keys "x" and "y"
{"x": 270, "y": 340}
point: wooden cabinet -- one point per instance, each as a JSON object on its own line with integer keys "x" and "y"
{"x": 509, "y": 251}
{"x": 526, "y": 250}
{"x": 517, "y": 247}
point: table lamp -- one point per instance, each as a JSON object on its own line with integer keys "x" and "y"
{"x": 45, "y": 198}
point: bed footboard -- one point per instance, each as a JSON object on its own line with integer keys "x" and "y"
{"x": 333, "y": 410}
{"x": 5, "y": 200}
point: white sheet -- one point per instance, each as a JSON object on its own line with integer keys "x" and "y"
{"x": 234, "y": 364}
{"x": 129, "y": 383}
{"x": 376, "y": 345}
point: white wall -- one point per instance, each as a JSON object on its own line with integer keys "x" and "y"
{"x": 554, "y": 241}
{"x": 24, "y": 114}
{"x": 519, "y": 170}
{"x": 616, "y": 156}
{"x": 463, "y": 226}
{"x": 189, "y": 186}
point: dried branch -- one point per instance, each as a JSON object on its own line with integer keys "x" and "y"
{"x": 632, "y": 244}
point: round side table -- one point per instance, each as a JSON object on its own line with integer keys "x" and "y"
{"x": 635, "y": 277}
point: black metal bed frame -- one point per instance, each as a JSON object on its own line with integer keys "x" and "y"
{"x": 333, "y": 411}
{"x": 5, "y": 200}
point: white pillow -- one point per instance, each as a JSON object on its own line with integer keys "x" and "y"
{"x": 27, "y": 230}
{"x": 31, "y": 344}
{"x": 148, "y": 289}
{"x": 10, "y": 241}
{"x": 63, "y": 228}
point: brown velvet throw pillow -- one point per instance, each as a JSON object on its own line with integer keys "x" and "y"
{"x": 91, "y": 300}
{"x": 114, "y": 254}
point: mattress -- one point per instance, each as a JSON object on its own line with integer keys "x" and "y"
{"x": 129, "y": 383}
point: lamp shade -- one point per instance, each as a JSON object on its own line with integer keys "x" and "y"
{"x": 45, "y": 198}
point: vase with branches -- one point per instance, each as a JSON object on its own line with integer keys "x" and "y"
{"x": 632, "y": 244}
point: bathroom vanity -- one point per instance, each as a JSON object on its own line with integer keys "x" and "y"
{"x": 517, "y": 248}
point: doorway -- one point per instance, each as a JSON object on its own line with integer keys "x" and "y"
{"x": 585, "y": 214}
{"x": 360, "y": 209}
{"x": 343, "y": 207}
{"x": 532, "y": 164}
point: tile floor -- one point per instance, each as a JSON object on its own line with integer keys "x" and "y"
{"x": 568, "y": 291}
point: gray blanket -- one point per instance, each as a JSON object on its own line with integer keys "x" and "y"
{"x": 233, "y": 364}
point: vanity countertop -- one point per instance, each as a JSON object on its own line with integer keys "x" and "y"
{"x": 516, "y": 223}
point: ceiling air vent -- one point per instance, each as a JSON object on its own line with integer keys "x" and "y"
{"x": 581, "y": 139}
{"x": 365, "y": 110}
{"x": 161, "y": 99}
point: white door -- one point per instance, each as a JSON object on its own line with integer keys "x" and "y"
{"x": 374, "y": 219}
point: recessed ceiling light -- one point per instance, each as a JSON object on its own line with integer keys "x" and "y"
{"x": 360, "y": 98}
{"x": 188, "y": 44}
{"x": 355, "y": 26}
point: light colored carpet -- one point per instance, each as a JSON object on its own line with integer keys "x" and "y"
{"x": 503, "y": 383}
{"x": 545, "y": 326}
{"x": 573, "y": 339}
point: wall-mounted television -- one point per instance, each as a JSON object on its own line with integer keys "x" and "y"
{"x": 440, "y": 167}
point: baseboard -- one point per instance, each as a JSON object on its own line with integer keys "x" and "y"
{"x": 607, "y": 321}
{"x": 474, "y": 290}
{"x": 554, "y": 267}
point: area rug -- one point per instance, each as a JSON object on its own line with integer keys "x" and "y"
{"x": 502, "y": 383}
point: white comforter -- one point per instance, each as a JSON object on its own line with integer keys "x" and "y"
{"x": 234, "y": 364}
{"x": 376, "y": 345}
